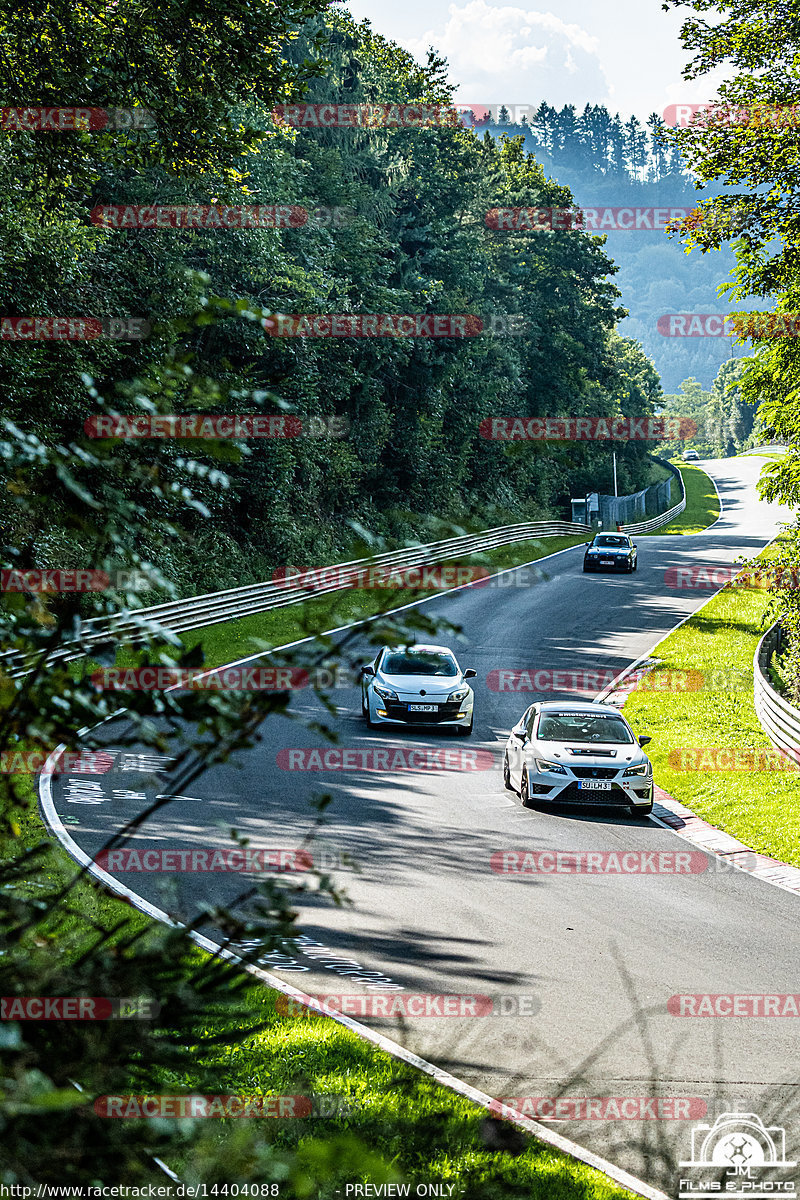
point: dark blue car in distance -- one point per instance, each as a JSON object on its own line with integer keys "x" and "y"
{"x": 610, "y": 552}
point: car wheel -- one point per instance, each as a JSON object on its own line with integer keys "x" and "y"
{"x": 524, "y": 794}
{"x": 465, "y": 730}
{"x": 636, "y": 810}
{"x": 365, "y": 712}
{"x": 507, "y": 784}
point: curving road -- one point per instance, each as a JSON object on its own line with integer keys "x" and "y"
{"x": 584, "y": 965}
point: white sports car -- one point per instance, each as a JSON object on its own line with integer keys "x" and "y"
{"x": 578, "y": 753}
{"x": 417, "y": 685}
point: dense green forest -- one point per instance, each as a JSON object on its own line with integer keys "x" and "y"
{"x": 607, "y": 162}
{"x": 397, "y": 226}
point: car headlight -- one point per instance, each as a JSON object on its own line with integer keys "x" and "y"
{"x": 543, "y": 765}
{"x": 644, "y": 769}
{"x": 460, "y": 694}
{"x": 387, "y": 693}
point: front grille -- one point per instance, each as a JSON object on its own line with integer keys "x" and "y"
{"x": 572, "y": 794}
{"x": 398, "y": 711}
{"x": 595, "y": 772}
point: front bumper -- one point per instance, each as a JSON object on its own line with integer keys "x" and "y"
{"x": 396, "y": 712}
{"x": 594, "y": 564}
{"x": 555, "y": 790}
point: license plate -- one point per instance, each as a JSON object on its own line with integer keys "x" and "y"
{"x": 423, "y": 708}
{"x": 595, "y": 785}
{"x": 606, "y": 562}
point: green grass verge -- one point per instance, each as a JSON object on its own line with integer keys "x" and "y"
{"x": 427, "y": 1133}
{"x": 761, "y": 808}
{"x": 658, "y": 473}
{"x": 702, "y": 503}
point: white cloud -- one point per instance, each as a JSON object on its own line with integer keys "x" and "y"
{"x": 535, "y": 56}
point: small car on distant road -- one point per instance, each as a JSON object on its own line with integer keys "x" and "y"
{"x": 610, "y": 552}
{"x": 691, "y": 456}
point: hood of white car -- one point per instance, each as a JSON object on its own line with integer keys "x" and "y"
{"x": 421, "y": 685}
{"x": 605, "y": 754}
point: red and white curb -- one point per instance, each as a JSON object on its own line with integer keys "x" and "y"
{"x": 681, "y": 820}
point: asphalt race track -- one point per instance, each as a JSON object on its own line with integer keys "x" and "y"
{"x": 580, "y": 967}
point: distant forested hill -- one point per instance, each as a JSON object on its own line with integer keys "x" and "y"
{"x": 605, "y": 162}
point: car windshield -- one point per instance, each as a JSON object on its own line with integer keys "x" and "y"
{"x": 422, "y": 663}
{"x": 582, "y": 727}
{"x": 610, "y": 540}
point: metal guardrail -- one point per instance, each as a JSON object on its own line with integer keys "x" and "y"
{"x": 768, "y": 446}
{"x": 136, "y": 625}
{"x": 666, "y": 517}
{"x": 779, "y": 719}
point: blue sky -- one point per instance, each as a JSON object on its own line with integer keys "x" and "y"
{"x": 625, "y": 54}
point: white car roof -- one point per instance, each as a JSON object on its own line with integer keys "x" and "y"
{"x": 579, "y": 706}
{"x": 417, "y": 648}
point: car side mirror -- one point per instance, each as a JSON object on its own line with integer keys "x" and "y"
{"x": 643, "y": 740}
{"x": 368, "y": 670}
{"x": 519, "y": 731}
{"x": 470, "y": 673}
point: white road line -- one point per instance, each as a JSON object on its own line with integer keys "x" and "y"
{"x": 541, "y": 1132}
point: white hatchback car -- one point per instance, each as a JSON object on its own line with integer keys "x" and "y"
{"x": 569, "y": 752}
{"x": 417, "y": 685}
